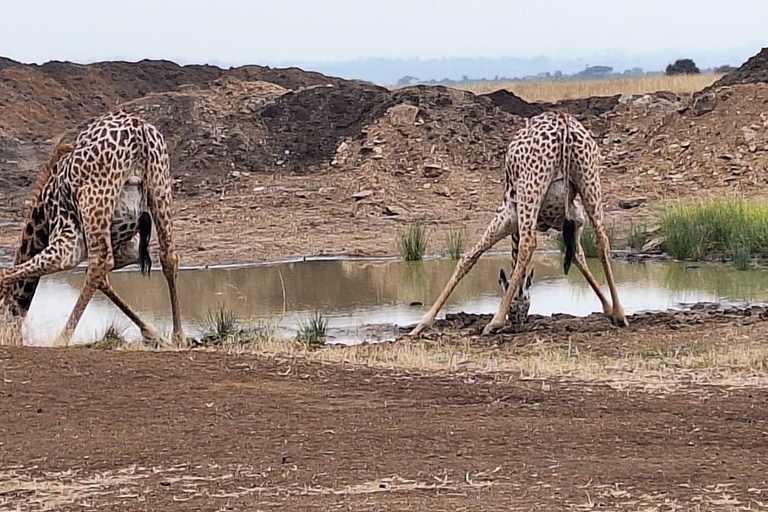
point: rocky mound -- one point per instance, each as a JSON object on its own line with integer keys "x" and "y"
{"x": 753, "y": 71}
{"x": 39, "y": 102}
{"x": 513, "y": 104}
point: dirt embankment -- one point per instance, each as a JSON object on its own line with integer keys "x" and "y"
{"x": 286, "y": 156}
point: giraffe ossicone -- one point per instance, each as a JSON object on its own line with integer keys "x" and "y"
{"x": 550, "y": 162}
{"x": 91, "y": 201}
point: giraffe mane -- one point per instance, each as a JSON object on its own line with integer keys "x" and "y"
{"x": 60, "y": 152}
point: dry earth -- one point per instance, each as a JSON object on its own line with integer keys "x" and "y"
{"x": 199, "y": 431}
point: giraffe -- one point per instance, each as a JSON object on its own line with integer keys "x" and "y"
{"x": 89, "y": 202}
{"x": 130, "y": 216}
{"x": 549, "y": 161}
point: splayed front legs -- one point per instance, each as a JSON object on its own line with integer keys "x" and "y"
{"x": 503, "y": 224}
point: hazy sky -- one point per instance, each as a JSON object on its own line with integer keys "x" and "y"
{"x": 240, "y": 31}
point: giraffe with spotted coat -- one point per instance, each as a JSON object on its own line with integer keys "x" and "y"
{"x": 90, "y": 201}
{"x": 549, "y": 162}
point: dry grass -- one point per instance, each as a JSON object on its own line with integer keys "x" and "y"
{"x": 734, "y": 356}
{"x": 26, "y": 488}
{"x": 551, "y": 91}
{"x": 10, "y": 331}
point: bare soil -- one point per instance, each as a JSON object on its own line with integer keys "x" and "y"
{"x": 199, "y": 431}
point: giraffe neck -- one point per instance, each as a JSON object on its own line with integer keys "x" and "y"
{"x": 34, "y": 238}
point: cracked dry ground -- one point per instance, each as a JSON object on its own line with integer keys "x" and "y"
{"x": 137, "y": 431}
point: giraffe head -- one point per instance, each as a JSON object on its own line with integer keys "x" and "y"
{"x": 521, "y": 302}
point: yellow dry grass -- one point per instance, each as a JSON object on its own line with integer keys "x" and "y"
{"x": 551, "y": 91}
{"x": 10, "y": 331}
{"x": 734, "y": 356}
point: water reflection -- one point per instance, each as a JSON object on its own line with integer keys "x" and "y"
{"x": 355, "y": 293}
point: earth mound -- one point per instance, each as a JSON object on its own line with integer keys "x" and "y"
{"x": 754, "y": 70}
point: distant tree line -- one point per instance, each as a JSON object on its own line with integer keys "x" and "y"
{"x": 679, "y": 67}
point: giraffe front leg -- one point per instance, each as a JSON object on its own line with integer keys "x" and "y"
{"x": 503, "y": 224}
{"x": 526, "y": 247}
{"x": 148, "y": 331}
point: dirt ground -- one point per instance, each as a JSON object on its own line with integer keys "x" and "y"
{"x": 200, "y": 431}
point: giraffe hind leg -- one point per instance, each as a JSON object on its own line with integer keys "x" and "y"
{"x": 592, "y": 199}
{"x": 160, "y": 200}
{"x": 581, "y": 263}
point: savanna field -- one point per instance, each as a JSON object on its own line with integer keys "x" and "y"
{"x": 300, "y": 388}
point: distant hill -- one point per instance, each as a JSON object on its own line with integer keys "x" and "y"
{"x": 389, "y": 71}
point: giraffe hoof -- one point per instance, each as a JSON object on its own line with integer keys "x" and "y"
{"x": 619, "y": 320}
{"x": 492, "y": 327}
{"x": 153, "y": 337}
{"x": 179, "y": 340}
{"x": 416, "y": 331}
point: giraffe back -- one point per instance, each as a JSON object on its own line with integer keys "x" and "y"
{"x": 555, "y": 149}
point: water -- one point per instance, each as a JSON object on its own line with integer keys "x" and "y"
{"x": 366, "y": 300}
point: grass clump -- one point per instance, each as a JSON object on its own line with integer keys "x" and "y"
{"x": 457, "y": 242}
{"x": 723, "y": 229}
{"x": 222, "y": 326}
{"x": 588, "y": 240}
{"x": 313, "y": 331}
{"x": 111, "y": 340}
{"x": 413, "y": 242}
{"x": 636, "y": 237}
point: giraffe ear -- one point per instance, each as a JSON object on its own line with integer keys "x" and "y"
{"x": 503, "y": 279}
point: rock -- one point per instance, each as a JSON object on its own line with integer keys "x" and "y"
{"x": 433, "y": 170}
{"x": 393, "y": 211}
{"x": 653, "y": 246}
{"x": 362, "y": 194}
{"x": 403, "y": 115}
{"x": 628, "y": 204}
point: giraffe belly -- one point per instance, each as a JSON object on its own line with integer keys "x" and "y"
{"x": 552, "y": 212}
{"x": 128, "y": 209}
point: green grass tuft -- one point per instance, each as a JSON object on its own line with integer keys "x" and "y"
{"x": 221, "y": 326}
{"x": 636, "y": 237}
{"x": 413, "y": 242}
{"x": 741, "y": 257}
{"x": 457, "y": 242}
{"x": 314, "y": 330}
{"x": 724, "y": 229}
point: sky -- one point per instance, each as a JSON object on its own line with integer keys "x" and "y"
{"x": 235, "y": 32}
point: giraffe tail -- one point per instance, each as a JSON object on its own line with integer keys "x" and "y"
{"x": 145, "y": 232}
{"x": 569, "y": 240}
{"x": 569, "y": 225}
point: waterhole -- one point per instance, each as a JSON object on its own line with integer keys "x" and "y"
{"x": 367, "y": 300}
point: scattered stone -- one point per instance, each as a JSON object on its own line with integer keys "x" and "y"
{"x": 433, "y": 170}
{"x": 628, "y": 204}
{"x": 362, "y": 194}
{"x": 653, "y": 246}
{"x": 403, "y": 115}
